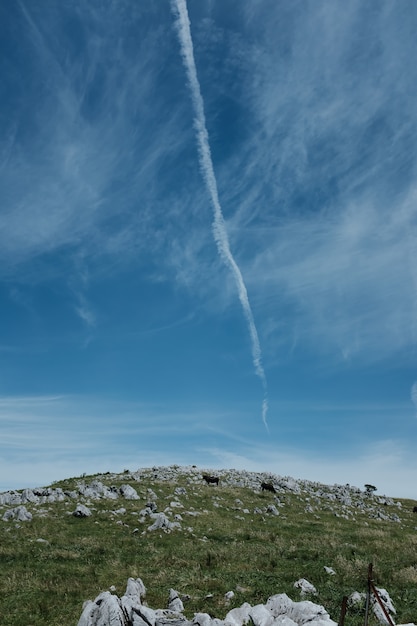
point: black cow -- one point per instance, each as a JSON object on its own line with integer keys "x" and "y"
{"x": 214, "y": 480}
{"x": 415, "y": 509}
{"x": 268, "y": 487}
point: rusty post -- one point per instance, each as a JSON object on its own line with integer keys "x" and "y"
{"x": 343, "y": 611}
{"x": 368, "y": 594}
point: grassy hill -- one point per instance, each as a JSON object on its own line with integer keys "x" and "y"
{"x": 231, "y": 537}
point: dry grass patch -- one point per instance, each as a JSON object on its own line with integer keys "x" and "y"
{"x": 406, "y": 576}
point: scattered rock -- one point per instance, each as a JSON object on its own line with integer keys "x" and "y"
{"x": 82, "y": 511}
{"x": 20, "y": 514}
{"x": 305, "y": 587}
{"x": 271, "y": 508}
{"x": 238, "y": 616}
{"x": 174, "y": 602}
{"x": 279, "y": 604}
{"x": 386, "y": 601}
{"x": 356, "y": 598}
{"x": 330, "y": 571}
{"x": 162, "y": 522}
{"x": 129, "y": 492}
{"x": 229, "y": 595}
{"x": 345, "y": 501}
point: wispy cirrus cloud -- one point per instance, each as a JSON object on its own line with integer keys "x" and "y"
{"x": 348, "y": 280}
{"x": 47, "y": 438}
{"x": 322, "y": 211}
{"x": 312, "y": 121}
{"x": 82, "y": 163}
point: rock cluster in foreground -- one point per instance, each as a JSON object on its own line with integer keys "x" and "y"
{"x": 110, "y": 610}
{"x": 129, "y": 610}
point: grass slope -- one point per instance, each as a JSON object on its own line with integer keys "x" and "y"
{"x": 221, "y": 548}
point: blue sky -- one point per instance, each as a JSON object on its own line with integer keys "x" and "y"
{"x": 208, "y": 238}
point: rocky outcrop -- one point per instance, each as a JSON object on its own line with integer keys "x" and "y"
{"x": 82, "y": 511}
{"x": 19, "y": 514}
{"x": 305, "y": 587}
{"x": 110, "y": 610}
{"x": 279, "y": 610}
{"x": 343, "y": 500}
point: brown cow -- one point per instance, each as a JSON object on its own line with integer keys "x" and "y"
{"x": 268, "y": 487}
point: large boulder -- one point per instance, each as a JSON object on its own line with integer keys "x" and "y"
{"x": 82, "y": 511}
{"x": 19, "y": 513}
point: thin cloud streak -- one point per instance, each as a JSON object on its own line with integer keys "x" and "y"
{"x": 414, "y": 395}
{"x": 51, "y": 437}
{"x": 179, "y": 8}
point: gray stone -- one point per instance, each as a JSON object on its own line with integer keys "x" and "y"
{"x": 271, "y": 508}
{"x": 260, "y": 615}
{"x": 238, "y": 616}
{"x": 308, "y": 612}
{"x": 279, "y": 604}
{"x": 174, "y": 602}
{"x": 82, "y": 511}
{"x": 19, "y": 513}
{"x": 305, "y": 587}
{"x": 129, "y": 492}
{"x": 162, "y": 523}
{"x": 388, "y": 605}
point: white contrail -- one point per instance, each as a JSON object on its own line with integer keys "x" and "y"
{"x": 179, "y": 8}
{"x": 414, "y": 394}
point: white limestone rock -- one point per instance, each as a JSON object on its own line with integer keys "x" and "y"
{"x": 279, "y": 604}
{"x": 174, "y": 602}
{"x": 19, "y": 513}
{"x": 202, "y": 619}
{"x": 162, "y": 523}
{"x": 135, "y": 589}
{"x": 305, "y": 587}
{"x": 271, "y": 508}
{"x": 129, "y": 493}
{"x": 260, "y": 615}
{"x": 284, "y": 620}
{"x": 306, "y": 611}
{"x": 356, "y": 598}
{"x": 89, "y": 608}
{"x": 106, "y": 610}
{"x": 238, "y": 616}
{"x": 82, "y": 511}
{"x": 387, "y": 602}
{"x": 140, "y": 615}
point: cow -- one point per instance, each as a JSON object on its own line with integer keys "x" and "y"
{"x": 415, "y": 509}
{"x": 214, "y": 480}
{"x": 268, "y": 487}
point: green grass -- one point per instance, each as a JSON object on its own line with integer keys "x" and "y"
{"x": 47, "y": 583}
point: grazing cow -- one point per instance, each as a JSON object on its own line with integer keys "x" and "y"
{"x": 214, "y": 480}
{"x": 415, "y": 509}
{"x": 268, "y": 487}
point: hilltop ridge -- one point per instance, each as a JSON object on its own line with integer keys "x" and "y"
{"x": 172, "y": 529}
